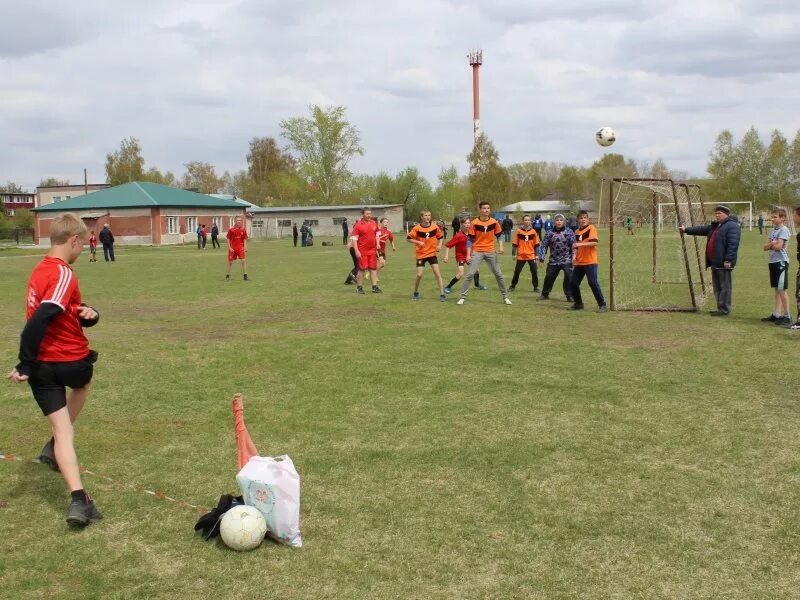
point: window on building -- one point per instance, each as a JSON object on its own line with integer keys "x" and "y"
{"x": 312, "y": 222}
{"x": 217, "y": 221}
{"x": 172, "y": 224}
{"x": 10, "y": 212}
{"x": 284, "y": 222}
{"x": 339, "y": 220}
{"x": 56, "y": 198}
{"x": 67, "y": 197}
{"x": 191, "y": 224}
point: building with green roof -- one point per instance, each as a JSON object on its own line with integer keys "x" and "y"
{"x": 143, "y": 213}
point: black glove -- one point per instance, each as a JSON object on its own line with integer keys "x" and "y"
{"x": 209, "y": 522}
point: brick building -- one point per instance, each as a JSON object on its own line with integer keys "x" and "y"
{"x": 46, "y": 194}
{"x": 142, "y": 213}
{"x": 276, "y": 221}
{"x": 14, "y": 201}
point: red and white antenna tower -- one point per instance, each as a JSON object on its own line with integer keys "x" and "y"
{"x": 475, "y": 61}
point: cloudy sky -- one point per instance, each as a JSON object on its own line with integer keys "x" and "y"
{"x": 196, "y": 80}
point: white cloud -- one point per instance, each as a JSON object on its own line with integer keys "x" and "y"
{"x": 197, "y": 80}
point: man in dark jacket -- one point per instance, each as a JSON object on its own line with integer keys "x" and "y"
{"x": 107, "y": 239}
{"x": 722, "y": 249}
{"x": 508, "y": 227}
{"x": 294, "y": 234}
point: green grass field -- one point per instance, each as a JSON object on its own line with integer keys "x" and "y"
{"x": 476, "y": 451}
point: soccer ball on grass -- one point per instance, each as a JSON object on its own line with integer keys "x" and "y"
{"x": 243, "y": 528}
{"x": 605, "y": 136}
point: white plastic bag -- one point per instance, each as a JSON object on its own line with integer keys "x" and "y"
{"x": 272, "y": 485}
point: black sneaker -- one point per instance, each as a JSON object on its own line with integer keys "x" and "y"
{"x": 718, "y": 313}
{"x": 227, "y": 277}
{"x": 359, "y": 290}
{"x": 570, "y": 299}
{"x": 784, "y": 321}
{"x": 48, "y": 456}
{"x": 535, "y": 290}
{"x": 376, "y": 290}
{"x": 576, "y": 307}
{"x": 770, "y": 319}
{"x": 246, "y": 278}
{"x": 82, "y": 513}
{"x": 512, "y": 288}
{"x": 542, "y": 297}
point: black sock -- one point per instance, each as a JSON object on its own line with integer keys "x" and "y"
{"x": 80, "y": 496}
{"x": 477, "y": 279}
{"x": 452, "y": 283}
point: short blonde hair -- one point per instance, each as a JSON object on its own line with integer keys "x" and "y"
{"x": 64, "y": 227}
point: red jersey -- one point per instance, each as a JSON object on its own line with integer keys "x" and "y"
{"x": 386, "y": 236}
{"x": 460, "y": 242}
{"x": 366, "y": 232}
{"x": 92, "y": 241}
{"x": 236, "y": 237}
{"x": 53, "y": 280}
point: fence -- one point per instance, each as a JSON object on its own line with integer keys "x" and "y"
{"x": 16, "y": 235}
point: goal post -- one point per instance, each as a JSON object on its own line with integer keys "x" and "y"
{"x": 653, "y": 268}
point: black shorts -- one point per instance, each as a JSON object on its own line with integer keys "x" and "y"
{"x": 431, "y": 260}
{"x": 49, "y": 381}
{"x": 779, "y": 275}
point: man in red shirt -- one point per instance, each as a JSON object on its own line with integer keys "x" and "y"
{"x": 365, "y": 235}
{"x": 237, "y": 246}
{"x": 54, "y": 355}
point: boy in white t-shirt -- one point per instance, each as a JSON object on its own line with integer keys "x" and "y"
{"x": 777, "y": 248}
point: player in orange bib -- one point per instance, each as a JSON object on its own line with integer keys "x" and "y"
{"x": 483, "y": 231}
{"x": 427, "y": 237}
{"x": 526, "y": 241}
{"x": 584, "y": 261}
{"x": 237, "y": 246}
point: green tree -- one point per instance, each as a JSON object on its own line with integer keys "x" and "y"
{"x": 527, "y": 181}
{"x": 488, "y": 179}
{"x": 414, "y": 192}
{"x": 325, "y": 143}
{"x": 452, "y": 193}
{"x": 752, "y": 165}
{"x": 201, "y": 176}
{"x": 778, "y": 158}
{"x": 153, "y": 175}
{"x": 53, "y": 181}
{"x": 126, "y": 164}
{"x": 571, "y": 186}
{"x": 794, "y": 165}
{"x": 11, "y": 188}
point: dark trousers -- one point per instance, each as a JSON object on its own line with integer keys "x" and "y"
{"x": 518, "y": 269}
{"x": 550, "y": 278}
{"x": 199, "y": 242}
{"x": 205, "y": 239}
{"x": 351, "y": 276}
{"x": 214, "y": 242}
{"x": 344, "y": 237}
{"x": 294, "y": 239}
{"x": 108, "y": 252}
{"x": 507, "y": 236}
{"x": 590, "y": 271}
{"x": 303, "y": 239}
{"x": 722, "y": 280}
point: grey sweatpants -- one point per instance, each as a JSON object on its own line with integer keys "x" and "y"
{"x": 722, "y": 281}
{"x": 475, "y": 261}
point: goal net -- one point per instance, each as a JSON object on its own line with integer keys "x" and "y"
{"x": 653, "y": 266}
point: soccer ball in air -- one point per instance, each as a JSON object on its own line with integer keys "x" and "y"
{"x": 243, "y": 528}
{"x": 605, "y": 136}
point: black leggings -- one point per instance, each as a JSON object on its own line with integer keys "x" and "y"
{"x": 518, "y": 269}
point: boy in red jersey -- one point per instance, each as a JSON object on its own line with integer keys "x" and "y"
{"x": 386, "y": 235}
{"x": 92, "y": 247}
{"x": 526, "y": 241}
{"x": 365, "y": 235}
{"x": 427, "y": 237}
{"x": 237, "y": 246}
{"x": 459, "y": 242}
{"x": 482, "y": 234}
{"x": 54, "y": 355}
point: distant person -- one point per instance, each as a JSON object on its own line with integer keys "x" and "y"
{"x": 722, "y": 249}
{"x": 777, "y": 248}
{"x": 585, "y": 263}
{"x": 199, "y": 232}
{"x": 214, "y": 236}
{"x": 508, "y": 227}
{"x": 54, "y": 355}
{"x": 203, "y": 235}
{"x": 559, "y": 242}
{"x": 456, "y": 225}
{"x": 760, "y": 225}
{"x": 237, "y": 247}
{"x": 295, "y": 234}
{"x": 537, "y": 225}
{"x": 303, "y": 234}
{"x": 526, "y": 241}
{"x": 572, "y": 222}
{"x": 629, "y": 225}
{"x": 386, "y": 236}
{"x": 796, "y": 219}
{"x": 442, "y": 227}
{"x": 107, "y": 239}
{"x": 459, "y": 242}
{"x": 92, "y": 247}
{"x": 548, "y": 224}
{"x": 345, "y": 232}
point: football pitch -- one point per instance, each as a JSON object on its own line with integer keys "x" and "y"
{"x": 476, "y": 451}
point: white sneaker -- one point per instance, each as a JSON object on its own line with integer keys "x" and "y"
{"x": 507, "y": 301}
{"x": 461, "y": 301}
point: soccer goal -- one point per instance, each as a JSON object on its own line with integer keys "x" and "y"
{"x": 655, "y": 268}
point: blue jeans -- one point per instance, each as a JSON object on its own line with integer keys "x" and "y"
{"x": 507, "y": 236}
{"x": 591, "y": 275}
